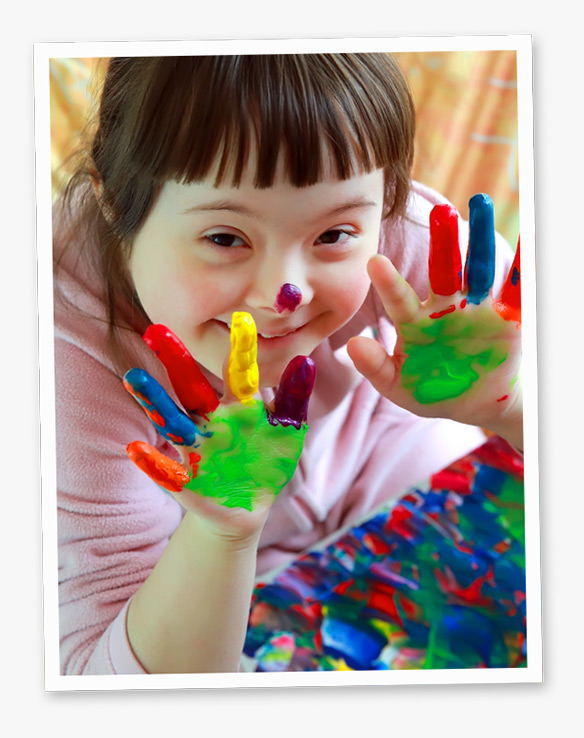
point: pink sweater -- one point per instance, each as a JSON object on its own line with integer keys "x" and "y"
{"x": 113, "y": 522}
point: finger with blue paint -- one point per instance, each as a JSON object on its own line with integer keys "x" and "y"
{"x": 168, "y": 419}
{"x": 480, "y": 262}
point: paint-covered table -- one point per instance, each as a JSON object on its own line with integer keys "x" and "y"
{"x": 434, "y": 580}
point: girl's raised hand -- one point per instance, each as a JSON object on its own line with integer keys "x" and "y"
{"x": 237, "y": 454}
{"x": 458, "y": 353}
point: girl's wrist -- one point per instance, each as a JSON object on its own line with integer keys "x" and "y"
{"x": 219, "y": 539}
{"x": 509, "y": 425}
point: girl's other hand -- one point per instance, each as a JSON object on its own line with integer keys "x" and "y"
{"x": 237, "y": 454}
{"x": 458, "y": 354}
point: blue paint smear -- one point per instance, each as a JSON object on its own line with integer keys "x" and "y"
{"x": 357, "y": 646}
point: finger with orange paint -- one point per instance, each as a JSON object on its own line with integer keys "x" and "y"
{"x": 163, "y": 470}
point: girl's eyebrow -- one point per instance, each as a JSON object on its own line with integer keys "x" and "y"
{"x": 235, "y": 207}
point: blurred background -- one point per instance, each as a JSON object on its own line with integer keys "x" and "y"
{"x": 466, "y": 140}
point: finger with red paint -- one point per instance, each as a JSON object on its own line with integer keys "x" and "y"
{"x": 194, "y": 391}
{"x": 508, "y": 304}
{"x": 444, "y": 262}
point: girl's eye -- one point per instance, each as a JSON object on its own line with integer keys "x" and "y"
{"x": 226, "y": 240}
{"x": 335, "y": 236}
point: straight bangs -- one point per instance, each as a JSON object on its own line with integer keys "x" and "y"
{"x": 323, "y": 115}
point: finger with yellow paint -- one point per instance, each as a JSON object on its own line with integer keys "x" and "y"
{"x": 242, "y": 369}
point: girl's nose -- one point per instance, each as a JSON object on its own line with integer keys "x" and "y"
{"x": 279, "y": 289}
{"x": 289, "y": 297}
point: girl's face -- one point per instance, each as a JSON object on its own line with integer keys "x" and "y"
{"x": 205, "y": 252}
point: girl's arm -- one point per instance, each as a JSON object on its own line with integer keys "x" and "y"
{"x": 190, "y": 615}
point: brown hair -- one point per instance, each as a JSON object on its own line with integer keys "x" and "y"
{"x": 163, "y": 118}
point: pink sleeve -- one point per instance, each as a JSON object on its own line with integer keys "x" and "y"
{"x": 113, "y": 522}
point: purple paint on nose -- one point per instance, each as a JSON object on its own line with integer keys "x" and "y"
{"x": 288, "y": 298}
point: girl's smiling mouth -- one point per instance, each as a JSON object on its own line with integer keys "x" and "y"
{"x": 269, "y": 336}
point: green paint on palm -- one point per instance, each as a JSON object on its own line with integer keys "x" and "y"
{"x": 246, "y": 456}
{"x": 436, "y": 368}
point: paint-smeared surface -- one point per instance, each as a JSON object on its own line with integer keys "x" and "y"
{"x": 288, "y": 298}
{"x": 435, "y": 581}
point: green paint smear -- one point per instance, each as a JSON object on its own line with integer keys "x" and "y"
{"x": 246, "y": 456}
{"x": 435, "y": 368}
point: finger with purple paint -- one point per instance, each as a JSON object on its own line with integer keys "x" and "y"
{"x": 293, "y": 395}
{"x": 480, "y": 263}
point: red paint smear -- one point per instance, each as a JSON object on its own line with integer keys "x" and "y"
{"x": 501, "y": 399}
{"x": 501, "y": 547}
{"x": 461, "y": 547}
{"x": 452, "y": 481}
{"x": 375, "y": 544}
{"x": 190, "y": 384}
{"x": 444, "y": 262}
{"x": 135, "y": 393}
{"x": 343, "y": 586}
{"x": 463, "y": 304}
{"x": 399, "y": 516}
{"x": 410, "y": 608}
{"x": 472, "y": 593}
{"x": 383, "y": 600}
{"x": 156, "y": 417}
{"x": 501, "y": 455}
{"x": 449, "y": 309}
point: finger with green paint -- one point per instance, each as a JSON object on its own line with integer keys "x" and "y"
{"x": 458, "y": 352}
{"x": 238, "y": 452}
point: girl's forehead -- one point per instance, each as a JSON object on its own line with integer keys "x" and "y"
{"x": 331, "y": 195}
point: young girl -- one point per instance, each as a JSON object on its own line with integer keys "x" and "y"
{"x": 267, "y": 191}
